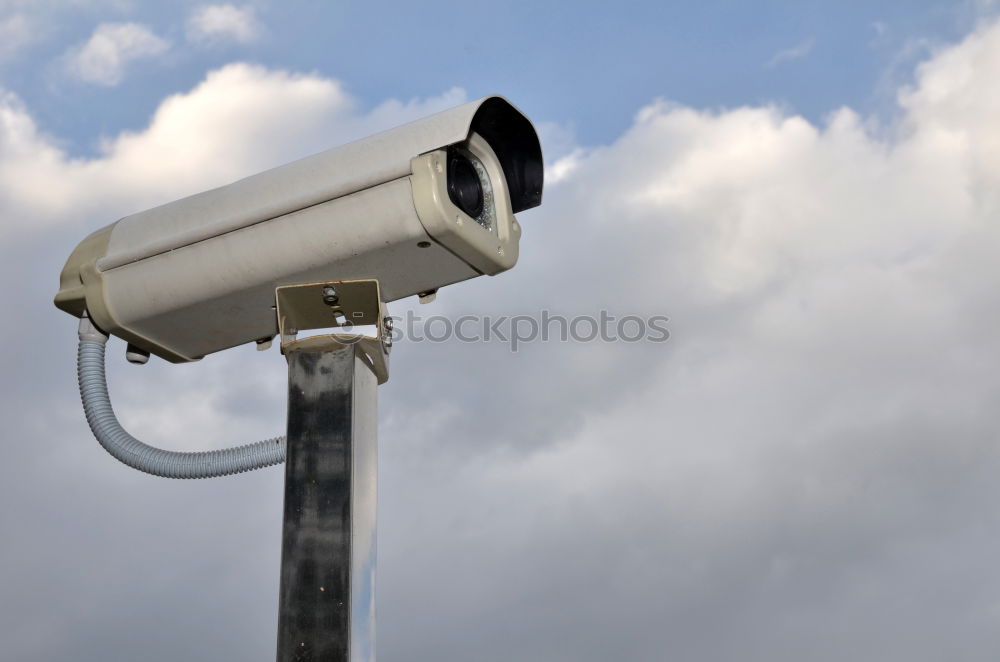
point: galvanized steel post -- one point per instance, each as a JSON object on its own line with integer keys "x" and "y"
{"x": 327, "y": 594}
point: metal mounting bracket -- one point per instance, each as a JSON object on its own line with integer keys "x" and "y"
{"x": 332, "y": 304}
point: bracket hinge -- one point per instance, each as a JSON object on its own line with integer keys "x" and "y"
{"x": 336, "y": 304}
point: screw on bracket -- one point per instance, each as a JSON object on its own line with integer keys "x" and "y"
{"x": 387, "y": 332}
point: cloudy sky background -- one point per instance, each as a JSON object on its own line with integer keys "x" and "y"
{"x": 807, "y": 470}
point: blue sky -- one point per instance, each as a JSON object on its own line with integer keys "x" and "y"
{"x": 806, "y": 470}
{"x": 586, "y": 66}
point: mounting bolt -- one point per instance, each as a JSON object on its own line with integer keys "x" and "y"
{"x": 330, "y": 296}
{"x": 387, "y": 332}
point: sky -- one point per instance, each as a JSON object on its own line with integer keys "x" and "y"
{"x": 806, "y": 470}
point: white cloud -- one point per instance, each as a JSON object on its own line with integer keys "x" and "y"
{"x": 216, "y": 23}
{"x": 808, "y": 466}
{"x": 796, "y": 52}
{"x": 103, "y": 58}
{"x": 564, "y": 166}
{"x": 239, "y": 120}
{"x": 815, "y": 443}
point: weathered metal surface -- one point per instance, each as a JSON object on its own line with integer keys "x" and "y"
{"x": 336, "y": 304}
{"x": 327, "y": 594}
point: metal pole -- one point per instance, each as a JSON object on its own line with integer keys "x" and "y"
{"x": 327, "y": 596}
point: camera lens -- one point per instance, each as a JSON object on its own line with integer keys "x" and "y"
{"x": 464, "y": 187}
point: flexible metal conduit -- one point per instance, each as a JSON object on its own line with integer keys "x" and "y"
{"x": 129, "y": 450}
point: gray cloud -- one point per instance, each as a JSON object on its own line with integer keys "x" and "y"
{"x": 805, "y": 471}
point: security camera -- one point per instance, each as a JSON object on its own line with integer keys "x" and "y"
{"x": 302, "y": 246}
{"x": 416, "y": 208}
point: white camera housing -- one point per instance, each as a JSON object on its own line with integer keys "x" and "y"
{"x": 198, "y": 275}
